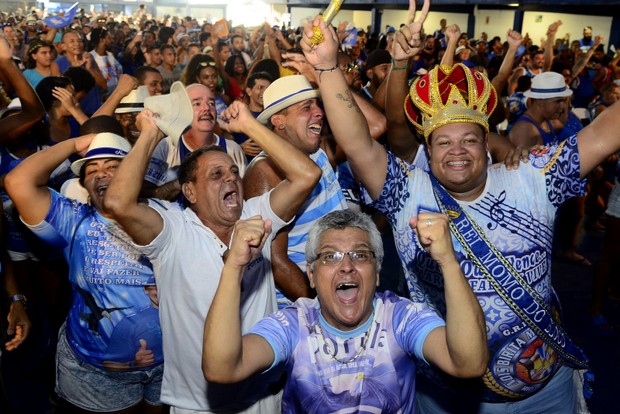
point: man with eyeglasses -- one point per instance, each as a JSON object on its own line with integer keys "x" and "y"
{"x": 350, "y": 347}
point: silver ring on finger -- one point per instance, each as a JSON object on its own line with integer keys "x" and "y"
{"x": 429, "y": 222}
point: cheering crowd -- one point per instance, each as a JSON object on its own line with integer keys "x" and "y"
{"x": 200, "y": 219}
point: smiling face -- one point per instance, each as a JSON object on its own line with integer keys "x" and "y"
{"x": 203, "y": 103}
{"x": 208, "y": 77}
{"x": 301, "y": 125}
{"x": 97, "y": 174}
{"x": 537, "y": 61}
{"x": 345, "y": 290}
{"x": 72, "y": 44}
{"x": 458, "y": 159}
{"x": 216, "y": 193}
{"x": 128, "y": 122}
{"x": 239, "y": 66}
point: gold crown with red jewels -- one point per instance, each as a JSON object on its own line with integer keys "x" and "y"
{"x": 450, "y": 94}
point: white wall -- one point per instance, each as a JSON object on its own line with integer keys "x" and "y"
{"x": 536, "y": 24}
{"x": 493, "y": 22}
{"x": 397, "y": 17}
{"x": 360, "y": 19}
{"x": 211, "y": 14}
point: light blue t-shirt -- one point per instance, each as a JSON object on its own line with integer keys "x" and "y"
{"x": 380, "y": 379}
{"x": 108, "y": 278}
{"x": 33, "y": 77}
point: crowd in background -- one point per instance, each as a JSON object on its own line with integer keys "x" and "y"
{"x": 91, "y": 71}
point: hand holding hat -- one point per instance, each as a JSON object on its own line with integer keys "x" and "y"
{"x": 98, "y": 146}
{"x": 173, "y": 112}
{"x": 82, "y": 143}
{"x": 147, "y": 124}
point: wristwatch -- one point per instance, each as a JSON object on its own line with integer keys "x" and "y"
{"x": 19, "y": 297}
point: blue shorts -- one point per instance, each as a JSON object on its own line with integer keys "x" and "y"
{"x": 95, "y": 389}
{"x": 559, "y": 396}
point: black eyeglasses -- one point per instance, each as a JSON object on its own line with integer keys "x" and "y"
{"x": 350, "y": 67}
{"x": 356, "y": 256}
{"x": 207, "y": 64}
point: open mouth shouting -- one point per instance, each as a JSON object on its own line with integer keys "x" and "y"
{"x": 347, "y": 292}
{"x": 230, "y": 199}
{"x": 316, "y": 128}
{"x": 101, "y": 188}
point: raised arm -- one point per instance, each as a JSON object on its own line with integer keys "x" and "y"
{"x": 261, "y": 177}
{"x": 551, "y": 32}
{"x": 453, "y": 33}
{"x": 227, "y": 357}
{"x": 460, "y": 348}
{"x": 500, "y": 80}
{"x": 401, "y": 138}
{"x": 27, "y": 183}
{"x": 346, "y": 120}
{"x": 367, "y": 157}
{"x": 585, "y": 58}
{"x": 91, "y": 66}
{"x": 125, "y": 85}
{"x": 68, "y": 101}
{"x": 600, "y": 139}
{"x": 376, "y": 121}
{"x": 300, "y": 172}
{"x": 140, "y": 221}
{"x": 14, "y": 126}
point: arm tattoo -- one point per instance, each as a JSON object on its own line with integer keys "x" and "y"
{"x": 347, "y": 96}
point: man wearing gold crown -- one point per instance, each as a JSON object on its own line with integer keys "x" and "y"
{"x": 501, "y": 221}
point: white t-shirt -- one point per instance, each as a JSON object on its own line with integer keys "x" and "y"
{"x": 187, "y": 262}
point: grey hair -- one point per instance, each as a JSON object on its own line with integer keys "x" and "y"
{"x": 340, "y": 220}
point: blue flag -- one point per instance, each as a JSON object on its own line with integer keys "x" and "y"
{"x": 58, "y": 22}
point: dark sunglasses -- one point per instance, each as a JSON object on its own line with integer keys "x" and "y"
{"x": 350, "y": 67}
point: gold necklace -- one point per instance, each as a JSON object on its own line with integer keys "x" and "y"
{"x": 359, "y": 352}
